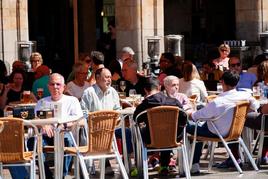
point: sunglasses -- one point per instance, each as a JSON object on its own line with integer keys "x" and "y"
{"x": 235, "y": 64}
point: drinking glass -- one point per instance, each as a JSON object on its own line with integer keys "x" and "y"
{"x": 132, "y": 93}
{"x": 40, "y": 93}
{"x": 115, "y": 87}
{"x": 26, "y": 97}
{"x": 256, "y": 92}
{"x": 123, "y": 85}
{"x": 219, "y": 88}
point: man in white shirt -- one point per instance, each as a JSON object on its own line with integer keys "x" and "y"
{"x": 70, "y": 108}
{"x": 215, "y": 108}
{"x": 100, "y": 96}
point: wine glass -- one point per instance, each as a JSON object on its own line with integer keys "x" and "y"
{"x": 132, "y": 93}
{"x": 123, "y": 85}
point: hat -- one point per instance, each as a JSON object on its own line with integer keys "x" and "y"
{"x": 128, "y": 50}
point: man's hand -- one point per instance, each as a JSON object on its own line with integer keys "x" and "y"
{"x": 48, "y": 129}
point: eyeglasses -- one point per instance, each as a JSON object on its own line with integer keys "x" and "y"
{"x": 55, "y": 84}
{"x": 235, "y": 64}
{"x": 224, "y": 50}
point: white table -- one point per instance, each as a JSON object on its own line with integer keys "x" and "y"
{"x": 58, "y": 144}
{"x": 127, "y": 112}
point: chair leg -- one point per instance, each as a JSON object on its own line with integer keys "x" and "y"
{"x": 261, "y": 141}
{"x": 32, "y": 169}
{"x": 1, "y": 170}
{"x": 211, "y": 158}
{"x": 83, "y": 166}
{"x": 102, "y": 168}
{"x": 248, "y": 154}
{"x": 185, "y": 162}
{"x": 231, "y": 155}
{"x": 121, "y": 165}
{"x": 145, "y": 163}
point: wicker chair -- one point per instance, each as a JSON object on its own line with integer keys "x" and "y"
{"x": 163, "y": 122}
{"x": 101, "y": 145}
{"x": 234, "y": 136}
{"x": 211, "y": 98}
{"x": 12, "y": 151}
{"x": 262, "y": 134}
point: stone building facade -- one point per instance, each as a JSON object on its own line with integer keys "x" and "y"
{"x": 135, "y": 21}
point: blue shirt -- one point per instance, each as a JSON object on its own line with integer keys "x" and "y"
{"x": 247, "y": 80}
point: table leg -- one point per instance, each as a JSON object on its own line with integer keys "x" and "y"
{"x": 58, "y": 155}
{"x": 125, "y": 155}
{"x": 40, "y": 156}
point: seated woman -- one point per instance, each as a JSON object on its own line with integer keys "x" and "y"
{"x": 171, "y": 84}
{"x": 77, "y": 86}
{"x": 13, "y": 90}
{"x": 191, "y": 84}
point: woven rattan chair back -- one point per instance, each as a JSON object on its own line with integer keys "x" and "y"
{"x": 163, "y": 122}
{"x": 101, "y": 126}
{"x": 11, "y": 140}
{"x": 239, "y": 119}
{"x": 211, "y": 98}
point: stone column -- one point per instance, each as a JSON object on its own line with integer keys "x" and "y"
{"x": 135, "y": 20}
{"x": 251, "y": 19}
{"x": 13, "y": 27}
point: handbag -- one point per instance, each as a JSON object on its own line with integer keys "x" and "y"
{"x": 25, "y": 112}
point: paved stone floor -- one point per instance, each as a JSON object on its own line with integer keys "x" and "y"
{"x": 220, "y": 155}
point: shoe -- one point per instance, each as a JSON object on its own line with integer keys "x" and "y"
{"x": 228, "y": 163}
{"x": 172, "y": 169}
{"x": 264, "y": 160}
{"x": 195, "y": 169}
{"x": 134, "y": 172}
{"x": 153, "y": 164}
{"x": 163, "y": 171}
{"x": 109, "y": 171}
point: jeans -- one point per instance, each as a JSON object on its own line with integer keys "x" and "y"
{"x": 118, "y": 134}
{"x": 202, "y": 130}
{"x": 21, "y": 172}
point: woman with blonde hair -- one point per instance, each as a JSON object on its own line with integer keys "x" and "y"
{"x": 36, "y": 60}
{"x": 222, "y": 62}
{"x": 191, "y": 84}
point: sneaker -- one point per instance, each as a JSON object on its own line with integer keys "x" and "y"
{"x": 172, "y": 169}
{"x": 228, "y": 163}
{"x": 163, "y": 171}
{"x": 134, "y": 172}
{"x": 153, "y": 163}
{"x": 264, "y": 160}
{"x": 195, "y": 169}
{"x": 172, "y": 165}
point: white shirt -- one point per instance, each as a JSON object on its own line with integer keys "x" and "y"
{"x": 219, "y": 105}
{"x": 193, "y": 87}
{"x": 69, "y": 107}
{"x": 75, "y": 90}
{"x": 93, "y": 99}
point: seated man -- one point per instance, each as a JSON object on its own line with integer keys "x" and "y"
{"x": 156, "y": 98}
{"x": 247, "y": 80}
{"x": 215, "y": 108}
{"x": 132, "y": 78}
{"x": 101, "y": 96}
{"x": 70, "y": 107}
{"x": 171, "y": 84}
